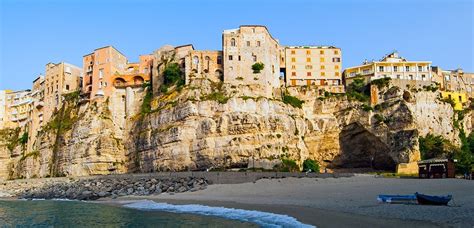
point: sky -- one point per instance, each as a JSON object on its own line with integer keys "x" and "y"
{"x": 34, "y": 33}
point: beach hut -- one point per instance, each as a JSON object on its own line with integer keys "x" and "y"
{"x": 436, "y": 168}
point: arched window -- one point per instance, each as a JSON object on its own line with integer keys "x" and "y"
{"x": 232, "y": 42}
{"x": 219, "y": 59}
{"x": 195, "y": 60}
{"x": 207, "y": 58}
{"x": 119, "y": 82}
{"x": 138, "y": 80}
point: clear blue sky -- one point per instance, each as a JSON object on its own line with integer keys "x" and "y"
{"x": 34, "y": 32}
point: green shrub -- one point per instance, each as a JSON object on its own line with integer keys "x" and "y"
{"x": 381, "y": 82}
{"x": 367, "y": 108}
{"x": 163, "y": 88}
{"x": 358, "y": 90}
{"x": 146, "y": 105}
{"x": 310, "y": 164}
{"x": 288, "y": 165}
{"x": 257, "y": 67}
{"x": 293, "y": 101}
{"x": 435, "y": 146}
{"x": 172, "y": 74}
{"x": 216, "y": 96}
{"x": 23, "y": 139}
{"x": 379, "y": 118}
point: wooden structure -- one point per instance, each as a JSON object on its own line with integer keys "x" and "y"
{"x": 436, "y": 168}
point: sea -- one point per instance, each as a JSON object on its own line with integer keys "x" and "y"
{"x": 143, "y": 213}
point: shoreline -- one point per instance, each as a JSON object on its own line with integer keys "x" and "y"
{"x": 331, "y": 202}
{"x": 307, "y": 215}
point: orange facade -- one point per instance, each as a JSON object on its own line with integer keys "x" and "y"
{"x": 135, "y": 74}
{"x": 100, "y": 68}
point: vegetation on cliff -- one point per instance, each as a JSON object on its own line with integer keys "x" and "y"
{"x": 257, "y": 67}
{"x": 293, "y": 101}
{"x": 10, "y": 137}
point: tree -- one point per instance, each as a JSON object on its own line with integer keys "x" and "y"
{"x": 257, "y": 67}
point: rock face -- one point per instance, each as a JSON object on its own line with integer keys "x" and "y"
{"x": 209, "y": 125}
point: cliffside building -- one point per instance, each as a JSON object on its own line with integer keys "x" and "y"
{"x": 17, "y": 108}
{"x": 245, "y": 46}
{"x": 313, "y": 65}
{"x": 135, "y": 74}
{"x": 454, "y": 80}
{"x": 60, "y": 78}
{"x": 3, "y": 103}
{"x": 36, "y": 115}
{"x": 99, "y": 68}
{"x": 391, "y": 66}
{"x": 204, "y": 64}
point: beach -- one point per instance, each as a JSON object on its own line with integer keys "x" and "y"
{"x": 338, "y": 202}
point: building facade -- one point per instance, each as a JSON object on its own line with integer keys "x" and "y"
{"x": 3, "y": 103}
{"x": 36, "y": 112}
{"x": 135, "y": 74}
{"x": 245, "y": 46}
{"x": 454, "y": 80}
{"x": 313, "y": 65}
{"x": 99, "y": 69}
{"x": 17, "y": 108}
{"x": 204, "y": 64}
{"x": 391, "y": 66}
{"x": 60, "y": 78}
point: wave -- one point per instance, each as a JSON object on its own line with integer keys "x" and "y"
{"x": 264, "y": 219}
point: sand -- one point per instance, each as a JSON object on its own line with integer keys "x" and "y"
{"x": 340, "y": 202}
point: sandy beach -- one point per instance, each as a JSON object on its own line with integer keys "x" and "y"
{"x": 339, "y": 202}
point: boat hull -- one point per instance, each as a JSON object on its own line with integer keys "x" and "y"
{"x": 433, "y": 200}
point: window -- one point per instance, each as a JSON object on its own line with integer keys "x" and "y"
{"x": 195, "y": 60}
{"x": 395, "y": 68}
{"x": 253, "y": 30}
{"x": 337, "y": 73}
{"x": 323, "y": 67}
{"x": 293, "y": 52}
{"x": 293, "y": 60}
{"x": 420, "y": 68}
{"x": 410, "y": 77}
{"x": 323, "y": 73}
{"x": 254, "y": 57}
{"x": 293, "y": 67}
{"x": 308, "y": 73}
{"x": 248, "y": 43}
{"x": 423, "y": 77}
{"x": 352, "y": 74}
{"x": 219, "y": 60}
{"x": 101, "y": 73}
{"x": 258, "y": 43}
{"x": 308, "y": 67}
{"x": 67, "y": 87}
{"x": 336, "y": 52}
{"x": 398, "y": 76}
{"x": 230, "y": 57}
{"x": 321, "y": 52}
{"x": 308, "y": 52}
{"x": 381, "y": 69}
{"x": 239, "y": 58}
{"x": 407, "y": 68}
{"x": 336, "y": 67}
{"x": 293, "y": 73}
{"x": 232, "y": 42}
{"x": 308, "y": 60}
{"x": 336, "y": 60}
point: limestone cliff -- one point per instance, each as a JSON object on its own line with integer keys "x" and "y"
{"x": 210, "y": 125}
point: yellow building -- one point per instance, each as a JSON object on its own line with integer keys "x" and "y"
{"x": 17, "y": 108}
{"x": 313, "y": 65}
{"x": 454, "y": 80}
{"x": 459, "y": 98}
{"x": 391, "y": 66}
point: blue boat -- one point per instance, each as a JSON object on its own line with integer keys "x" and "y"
{"x": 405, "y": 199}
{"x": 433, "y": 200}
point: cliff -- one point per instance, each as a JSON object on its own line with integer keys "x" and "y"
{"x": 208, "y": 125}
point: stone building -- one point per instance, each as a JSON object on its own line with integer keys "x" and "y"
{"x": 391, "y": 66}
{"x": 99, "y": 68}
{"x": 454, "y": 80}
{"x": 245, "y": 46}
{"x": 36, "y": 118}
{"x": 60, "y": 78}
{"x": 135, "y": 74}
{"x": 204, "y": 64}
{"x": 313, "y": 65}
